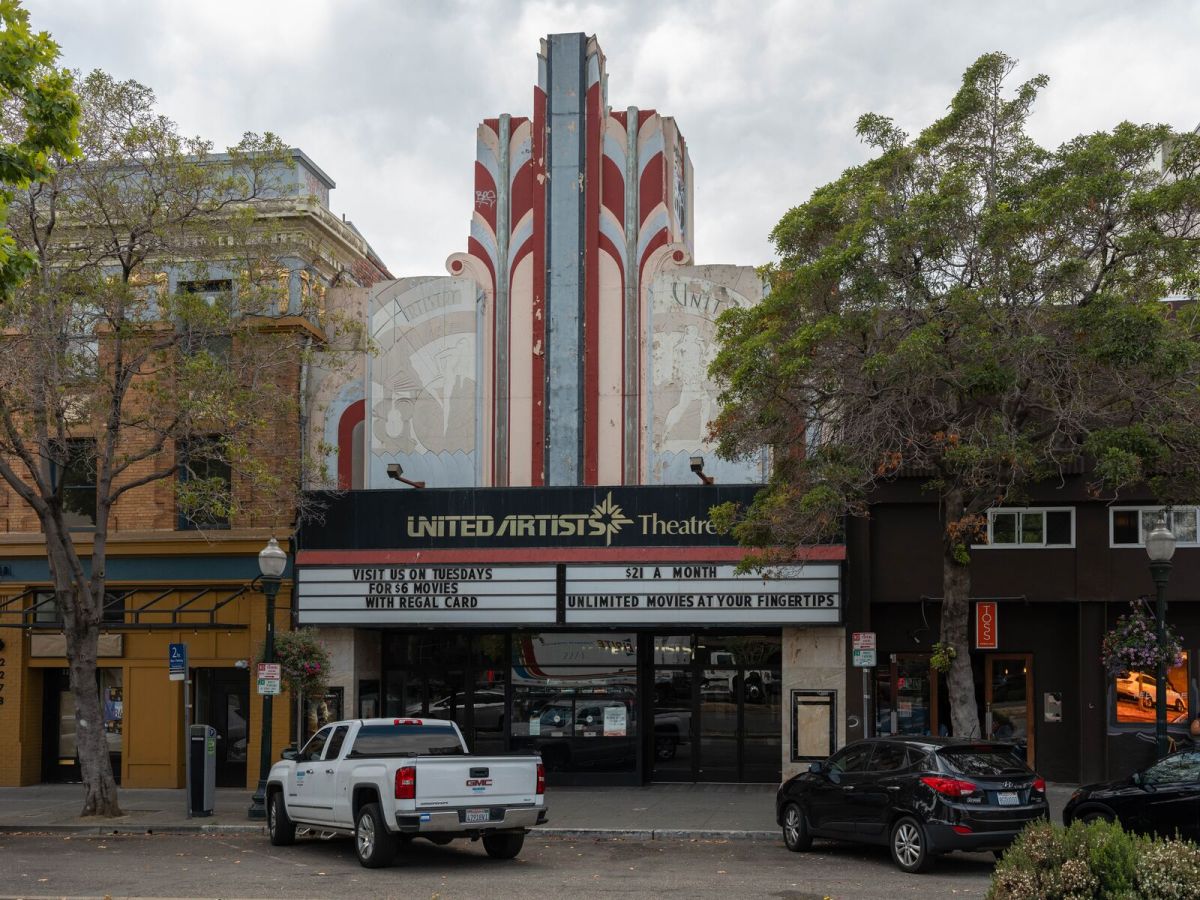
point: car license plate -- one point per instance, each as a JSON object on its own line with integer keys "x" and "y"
{"x": 476, "y": 816}
{"x": 1008, "y": 798}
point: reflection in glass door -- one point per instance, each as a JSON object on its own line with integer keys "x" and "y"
{"x": 719, "y": 709}
{"x": 908, "y": 698}
{"x": 1008, "y": 712}
{"x": 674, "y": 755}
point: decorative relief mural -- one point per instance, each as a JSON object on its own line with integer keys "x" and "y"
{"x": 681, "y": 399}
{"x": 424, "y": 405}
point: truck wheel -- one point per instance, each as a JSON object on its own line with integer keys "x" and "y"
{"x": 372, "y": 841}
{"x": 280, "y": 826}
{"x": 503, "y": 846}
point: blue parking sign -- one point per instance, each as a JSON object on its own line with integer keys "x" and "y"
{"x": 177, "y": 662}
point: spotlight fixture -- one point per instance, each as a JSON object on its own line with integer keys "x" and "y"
{"x": 697, "y": 466}
{"x": 396, "y": 473}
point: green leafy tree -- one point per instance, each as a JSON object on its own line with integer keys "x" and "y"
{"x": 981, "y": 312}
{"x": 102, "y": 367}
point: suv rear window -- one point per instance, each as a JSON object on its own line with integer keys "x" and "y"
{"x": 983, "y": 761}
{"x": 405, "y": 740}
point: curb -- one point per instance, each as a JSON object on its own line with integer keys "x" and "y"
{"x": 657, "y": 834}
{"x": 630, "y": 834}
{"x": 102, "y": 830}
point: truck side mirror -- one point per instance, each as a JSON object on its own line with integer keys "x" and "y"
{"x": 289, "y": 753}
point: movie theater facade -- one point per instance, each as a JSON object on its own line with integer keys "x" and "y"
{"x": 605, "y": 627}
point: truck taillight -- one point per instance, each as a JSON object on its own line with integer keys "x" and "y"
{"x": 406, "y": 783}
{"x": 541, "y": 779}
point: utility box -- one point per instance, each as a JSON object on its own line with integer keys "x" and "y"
{"x": 202, "y": 791}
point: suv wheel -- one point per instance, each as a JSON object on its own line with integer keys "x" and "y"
{"x": 372, "y": 841}
{"x": 795, "y": 830}
{"x": 910, "y": 849}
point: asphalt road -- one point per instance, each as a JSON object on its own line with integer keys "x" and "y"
{"x": 236, "y": 866}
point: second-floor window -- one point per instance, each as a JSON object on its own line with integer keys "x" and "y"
{"x": 75, "y": 476}
{"x": 1129, "y": 525}
{"x": 206, "y": 480}
{"x": 1031, "y": 527}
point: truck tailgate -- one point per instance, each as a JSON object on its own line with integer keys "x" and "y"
{"x": 457, "y": 781}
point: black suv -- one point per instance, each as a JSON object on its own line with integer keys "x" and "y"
{"x": 922, "y": 796}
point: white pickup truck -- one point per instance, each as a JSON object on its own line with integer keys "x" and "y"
{"x": 390, "y": 780}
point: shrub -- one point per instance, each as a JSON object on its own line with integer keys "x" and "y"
{"x": 1098, "y": 860}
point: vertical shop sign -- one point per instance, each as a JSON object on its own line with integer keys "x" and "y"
{"x": 987, "y": 628}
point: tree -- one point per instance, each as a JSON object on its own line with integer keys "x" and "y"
{"x": 103, "y": 368}
{"x": 976, "y": 310}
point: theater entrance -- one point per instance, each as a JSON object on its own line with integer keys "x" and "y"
{"x": 717, "y": 708}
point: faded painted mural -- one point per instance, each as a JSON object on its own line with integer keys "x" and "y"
{"x": 680, "y": 398}
{"x": 423, "y": 403}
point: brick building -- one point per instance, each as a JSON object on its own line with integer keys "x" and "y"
{"x": 169, "y": 579}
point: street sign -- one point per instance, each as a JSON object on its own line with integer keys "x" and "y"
{"x": 987, "y": 626}
{"x": 864, "y": 659}
{"x": 177, "y": 663}
{"x": 863, "y": 640}
{"x": 269, "y": 675}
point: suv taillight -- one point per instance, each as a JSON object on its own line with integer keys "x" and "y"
{"x": 949, "y": 787}
{"x": 406, "y": 783}
{"x": 1039, "y": 785}
{"x": 541, "y": 779}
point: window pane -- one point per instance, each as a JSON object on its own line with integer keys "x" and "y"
{"x": 1004, "y": 528}
{"x": 852, "y": 759}
{"x": 1136, "y": 692}
{"x": 1125, "y": 526}
{"x": 78, "y": 479}
{"x": 112, "y": 693}
{"x": 1058, "y": 527}
{"x": 1184, "y": 525}
{"x": 1150, "y": 518}
{"x": 1032, "y": 528}
{"x": 1176, "y": 768}
{"x": 889, "y": 757}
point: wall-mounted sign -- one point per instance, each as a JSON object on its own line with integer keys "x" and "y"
{"x": 486, "y": 518}
{"x": 427, "y": 595}
{"x": 987, "y": 626}
{"x": 702, "y": 593}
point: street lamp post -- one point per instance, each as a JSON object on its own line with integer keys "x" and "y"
{"x": 1160, "y": 547}
{"x": 272, "y": 560}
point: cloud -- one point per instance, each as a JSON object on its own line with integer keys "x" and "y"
{"x": 386, "y": 96}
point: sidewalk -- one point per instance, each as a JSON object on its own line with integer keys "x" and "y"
{"x": 688, "y": 811}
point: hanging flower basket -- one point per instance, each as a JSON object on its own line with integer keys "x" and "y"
{"x": 1133, "y": 644}
{"x": 303, "y": 662}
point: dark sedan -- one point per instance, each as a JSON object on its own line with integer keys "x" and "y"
{"x": 921, "y": 796}
{"x": 1163, "y": 799}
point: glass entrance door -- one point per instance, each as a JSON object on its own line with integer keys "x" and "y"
{"x": 717, "y": 708}
{"x": 1008, "y": 692}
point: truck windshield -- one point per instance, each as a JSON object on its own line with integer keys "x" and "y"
{"x": 406, "y": 740}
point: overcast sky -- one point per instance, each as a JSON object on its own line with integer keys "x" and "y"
{"x": 385, "y": 94}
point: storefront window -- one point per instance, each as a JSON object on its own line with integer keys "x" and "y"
{"x": 1137, "y": 692}
{"x": 320, "y": 711}
{"x": 575, "y": 700}
{"x": 112, "y": 694}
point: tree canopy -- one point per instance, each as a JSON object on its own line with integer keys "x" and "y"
{"x": 979, "y": 311}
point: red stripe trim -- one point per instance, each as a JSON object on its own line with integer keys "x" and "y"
{"x": 353, "y": 414}
{"x": 502, "y": 555}
{"x": 591, "y": 280}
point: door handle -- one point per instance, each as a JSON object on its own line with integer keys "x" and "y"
{"x": 847, "y": 787}
{"x": 893, "y": 787}
{"x": 308, "y": 771}
{"x": 329, "y": 771}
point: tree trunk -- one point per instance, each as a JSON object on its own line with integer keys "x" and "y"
{"x": 83, "y": 640}
{"x": 956, "y": 609}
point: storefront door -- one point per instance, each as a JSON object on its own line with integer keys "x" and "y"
{"x": 718, "y": 717}
{"x": 229, "y": 701}
{"x": 909, "y": 696}
{"x": 1008, "y": 700}
{"x": 60, "y": 758}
